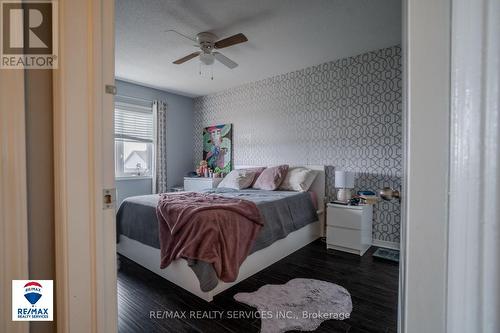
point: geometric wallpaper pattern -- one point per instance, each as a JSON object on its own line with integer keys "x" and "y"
{"x": 345, "y": 114}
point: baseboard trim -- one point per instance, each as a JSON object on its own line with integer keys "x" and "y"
{"x": 386, "y": 244}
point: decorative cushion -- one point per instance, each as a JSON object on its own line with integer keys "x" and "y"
{"x": 258, "y": 171}
{"x": 298, "y": 179}
{"x": 238, "y": 179}
{"x": 271, "y": 178}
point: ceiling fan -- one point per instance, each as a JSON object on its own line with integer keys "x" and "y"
{"x": 208, "y": 44}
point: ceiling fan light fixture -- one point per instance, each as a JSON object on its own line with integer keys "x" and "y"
{"x": 207, "y": 42}
{"x": 207, "y": 58}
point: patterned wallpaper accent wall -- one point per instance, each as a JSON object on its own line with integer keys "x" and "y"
{"x": 345, "y": 114}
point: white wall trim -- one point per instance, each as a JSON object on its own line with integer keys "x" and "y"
{"x": 13, "y": 194}
{"x": 473, "y": 292}
{"x": 425, "y": 192}
{"x": 83, "y": 138}
{"x": 386, "y": 244}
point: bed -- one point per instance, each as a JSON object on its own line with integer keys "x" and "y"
{"x": 138, "y": 239}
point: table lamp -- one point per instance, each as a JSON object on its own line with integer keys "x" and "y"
{"x": 344, "y": 181}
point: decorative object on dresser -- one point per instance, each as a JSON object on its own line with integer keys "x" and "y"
{"x": 349, "y": 228}
{"x": 344, "y": 181}
{"x": 368, "y": 197}
{"x": 197, "y": 184}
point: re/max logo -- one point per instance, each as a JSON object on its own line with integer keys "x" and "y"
{"x": 32, "y": 311}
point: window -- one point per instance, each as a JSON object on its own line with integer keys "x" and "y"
{"x": 134, "y": 144}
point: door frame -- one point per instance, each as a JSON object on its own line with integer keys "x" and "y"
{"x": 473, "y": 295}
{"x": 426, "y": 100}
{"x": 86, "y": 298}
{"x": 13, "y": 194}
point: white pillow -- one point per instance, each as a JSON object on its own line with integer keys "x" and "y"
{"x": 238, "y": 179}
{"x": 298, "y": 179}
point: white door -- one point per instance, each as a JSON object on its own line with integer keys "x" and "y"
{"x": 84, "y": 168}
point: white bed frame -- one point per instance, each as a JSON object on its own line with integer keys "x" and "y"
{"x": 181, "y": 274}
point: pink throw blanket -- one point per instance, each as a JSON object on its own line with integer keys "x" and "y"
{"x": 207, "y": 227}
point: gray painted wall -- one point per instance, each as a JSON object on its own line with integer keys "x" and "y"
{"x": 132, "y": 187}
{"x": 179, "y": 138}
{"x": 345, "y": 114}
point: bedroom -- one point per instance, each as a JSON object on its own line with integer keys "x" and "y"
{"x": 323, "y": 94}
{"x": 249, "y": 166}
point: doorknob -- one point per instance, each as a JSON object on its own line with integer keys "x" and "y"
{"x": 388, "y": 194}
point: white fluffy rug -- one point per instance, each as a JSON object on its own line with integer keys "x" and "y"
{"x": 300, "y": 304}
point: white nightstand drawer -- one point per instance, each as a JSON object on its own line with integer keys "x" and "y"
{"x": 346, "y": 217}
{"x": 349, "y": 228}
{"x": 348, "y": 238}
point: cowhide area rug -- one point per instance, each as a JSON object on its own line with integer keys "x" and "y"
{"x": 300, "y": 304}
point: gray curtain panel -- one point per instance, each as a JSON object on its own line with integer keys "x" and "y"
{"x": 160, "y": 114}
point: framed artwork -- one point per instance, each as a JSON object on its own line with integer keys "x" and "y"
{"x": 218, "y": 147}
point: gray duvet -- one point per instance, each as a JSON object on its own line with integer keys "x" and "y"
{"x": 282, "y": 211}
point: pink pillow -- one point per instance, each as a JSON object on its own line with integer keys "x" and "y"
{"x": 258, "y": 171}
{"x": 271, "y": 178}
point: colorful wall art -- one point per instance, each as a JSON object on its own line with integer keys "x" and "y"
{"x": 217, "y": 147}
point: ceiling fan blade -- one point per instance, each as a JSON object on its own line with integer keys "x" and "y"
{"x": 186, "y": 58}
{"x": 225, "y": 60}
{"x": 230, "y": 41}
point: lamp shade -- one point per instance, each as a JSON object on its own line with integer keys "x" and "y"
{"x": 344, "y": 179}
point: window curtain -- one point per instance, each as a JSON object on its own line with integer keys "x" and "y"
{"x": 160, "y": 170}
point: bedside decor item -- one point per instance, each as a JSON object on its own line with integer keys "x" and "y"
{"x": 217, "y": 147}
{"x": 218, "y": 172}
{"x": 349, "y": 228}
{"x": 368, "y": 197}
{"x": 296, "y": 297}
{"x": 344, "y": 181}
{"x": 388, "y": 194}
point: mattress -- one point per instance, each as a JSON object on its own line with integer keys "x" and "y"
{"x": 282, "y": 211}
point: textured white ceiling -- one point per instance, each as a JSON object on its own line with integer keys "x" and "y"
{"x": 284, "y": 35}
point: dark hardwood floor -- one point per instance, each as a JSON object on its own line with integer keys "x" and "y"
{"x": 373, "y": 285}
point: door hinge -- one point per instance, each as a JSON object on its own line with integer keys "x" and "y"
{"x": 110, "y": 89}
{"x": 109, "y": 198}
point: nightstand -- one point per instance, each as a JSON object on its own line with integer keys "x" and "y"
{"x": 197, "y": 184}
{"x": 349, "y": 228}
